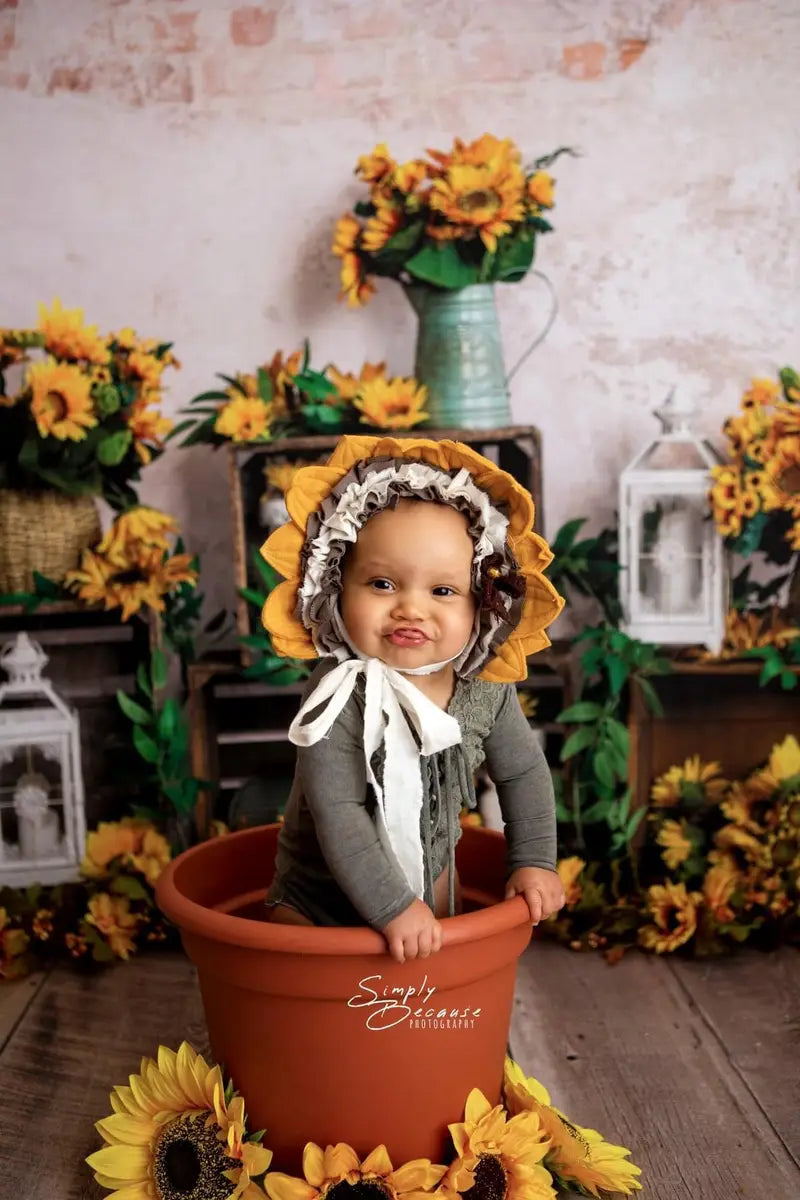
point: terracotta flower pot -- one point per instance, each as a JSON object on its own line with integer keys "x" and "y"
{"x": 327, "y": 1037}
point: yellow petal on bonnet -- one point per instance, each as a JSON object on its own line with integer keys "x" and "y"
{"x": 531, "y": 552}
{"x": 509, "y": 664}
{"x": 310, "y": 486}
{"x": 278, "y": 615}
{"x": 282, "y": 549}
{"x": 350, "y": 450}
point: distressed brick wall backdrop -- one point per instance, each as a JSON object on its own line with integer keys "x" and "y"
{"x": 177, "y": 165}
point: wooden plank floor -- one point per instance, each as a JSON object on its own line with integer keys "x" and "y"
{"x": 693, "y": 1066}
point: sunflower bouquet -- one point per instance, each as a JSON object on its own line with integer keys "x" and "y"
{"x": 755, "y": 496}
{"x": 732, "y": 851}
{"x": 286, "y": 396}
{"x": 448, "y": 220}
{"x": 79, "y": 412}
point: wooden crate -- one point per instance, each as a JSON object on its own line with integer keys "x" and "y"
{"x": 716, "y": 710}
{"x": 516, "y": 449}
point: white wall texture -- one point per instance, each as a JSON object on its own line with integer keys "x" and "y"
{"x": 177, "y": 165}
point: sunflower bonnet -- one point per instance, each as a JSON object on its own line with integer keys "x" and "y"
{"x": 328, "y": 505}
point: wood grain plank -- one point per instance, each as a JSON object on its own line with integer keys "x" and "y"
{"x": 81, "y": 1035}
{"x": 15, "y": 998}
{"x": 622, "y": 1050}
{"x": 751, "y": 1004}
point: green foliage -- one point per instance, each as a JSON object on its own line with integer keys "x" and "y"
{"x": 588, "y": 567}
{"x": 160, "y": 735}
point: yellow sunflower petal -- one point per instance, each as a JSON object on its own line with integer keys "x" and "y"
{"x": 282, "y": 549}
{"x": 287, "y": 1187}
{"x": 314, "y": 1164}
{"x": 420, "y": 1174}
{"x": 477, "y": 1106}
{"x": 124, "y": 1163}
{"x": 121, "y": 1129}
{"x": 256, "y": 1158}
{"x": 309, "y": 488}
{"x": 377, "y": 1162}
{"x": 340, "y": 1161}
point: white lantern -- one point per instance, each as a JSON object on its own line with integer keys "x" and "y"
{"x": 673, "y": 582}
{"x": 42, "y": 822}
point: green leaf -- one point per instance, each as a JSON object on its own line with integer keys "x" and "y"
{"x": 316, "y": 386}
{"x": 748, "y": 540}
{"x": 788, "y": 680}
{"x": 322, "y": 418}
{"x": 168, "y": 719}
{"x": 265, "y": 389}
{"x": 142, "y": 681}
{"x": 253, "y": 597}
{"x": 773, "y": 665}
{"x": 442, "y": 266}
{"x": 46, "y": 589}
{"x": 133, "y": 711}
{"x": 617, "y": 673}
{"x": 577, "y": 741}
{"x": 204, "y": 397}
{"x": 130, "y": 886}
{"x": 112, "y": 449}
{"x": 650, "y": 695}
{"x": 597, "y": 811}
{"x": 514, "y": 257}
{"x": 566, "y": 535}
{"x": 158, "y": 669}
{"x": 145, "y": 745}
{"x": 603, "y": 768}
{"x": 269, "y": 575}
{"x": 618, "y": 734}
{"x": 584, "y": 710}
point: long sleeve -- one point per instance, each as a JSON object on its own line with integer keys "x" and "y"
{"x": 520, "y": 773}
{"x": 332, "y": 776}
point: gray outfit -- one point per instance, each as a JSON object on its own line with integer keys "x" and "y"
{"x": 332, "y": 865}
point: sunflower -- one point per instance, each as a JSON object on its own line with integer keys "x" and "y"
{"x": 330, "y": 1172}
{"x": 146, "y": 577}
{"x": 173, "y": 1135}
{"x": 382, "y": 225}
{"x": 528, "y": 704}
{"x": 782, "y": 772}
{"x": 282, "y": 373}
{"x": 540, "y": 189}
{"x": 498, "y": 1156}
{"x": 13, "y": 944}
{"x": 134, "y": 842}
{"x": 348, "y": 386}
{"x": 409, "y": 176}
{"x": 676, "y": 845}
{"x": 113, "y": 920}
{"x": 761, "y": 393}
{"x": 694, "y": 783}
{"x": 346, "y": 233}
{"x": 720, "y": 882}
{"x": 569, "y": 871}
{"x": 279, "y": 476}
{"x": 66, "y": 336}
{"x": 244, "y": 420}
{"x": 737, "y": 807}
{"x": 392, "y": 403}
{"x": 747, "y": 630}
{"x": 147, "y": 425}
{"x": 138, "y": 527}
{"x": 356, "y": 288}
{"x": 283, "y": 549}
{"x": 478, "y": 200}
{"x": 578, "y": 1157}
{"x": 374, "y": 167}
{"x": 781, "y": 488}
{"x": 61, "y": 400}
{"x": 485, "y": 149}
{"x": 674, "y": 911}
{"x": 725, "y": 498}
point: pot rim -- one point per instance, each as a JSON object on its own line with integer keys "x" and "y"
{"x": 198, "y": 919}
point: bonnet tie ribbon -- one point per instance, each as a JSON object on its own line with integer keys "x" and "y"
{"x": 389, "y": 698}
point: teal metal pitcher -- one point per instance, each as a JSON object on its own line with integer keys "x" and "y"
{"x": 459, "y": 356}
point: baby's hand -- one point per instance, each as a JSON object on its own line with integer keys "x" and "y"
{"x": 541, "y": 888}
{"x": 415, "y": 933}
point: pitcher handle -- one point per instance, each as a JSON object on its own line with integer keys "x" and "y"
{"x": 545, "y": 328}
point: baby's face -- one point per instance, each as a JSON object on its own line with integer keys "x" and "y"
{"x": 406, "y": 595}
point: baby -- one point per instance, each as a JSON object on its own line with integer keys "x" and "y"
{"x": 413, "y": 567}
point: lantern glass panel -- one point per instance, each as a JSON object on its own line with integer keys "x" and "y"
{"x": 672, "y": 564}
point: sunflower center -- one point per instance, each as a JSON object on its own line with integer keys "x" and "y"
{"x": 56, "y": 405}
{"x": 365, "y": 1189}
{"x": 480, "y": 198}
{"x": 790, "y": 480}
{"x": 189, "y": 1160}
{"x": 784, "y": 852}
{"x": 491, "y": 1182}
{"x": 132, "y": 575}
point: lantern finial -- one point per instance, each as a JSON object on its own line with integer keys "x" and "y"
{"x": 23, "y": 660}
{"x": 675, "y": 414}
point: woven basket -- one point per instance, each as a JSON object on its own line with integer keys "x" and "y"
{"x": 44, "y": 532}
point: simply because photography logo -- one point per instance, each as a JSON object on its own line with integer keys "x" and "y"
{"x": 388, "y": 1005}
